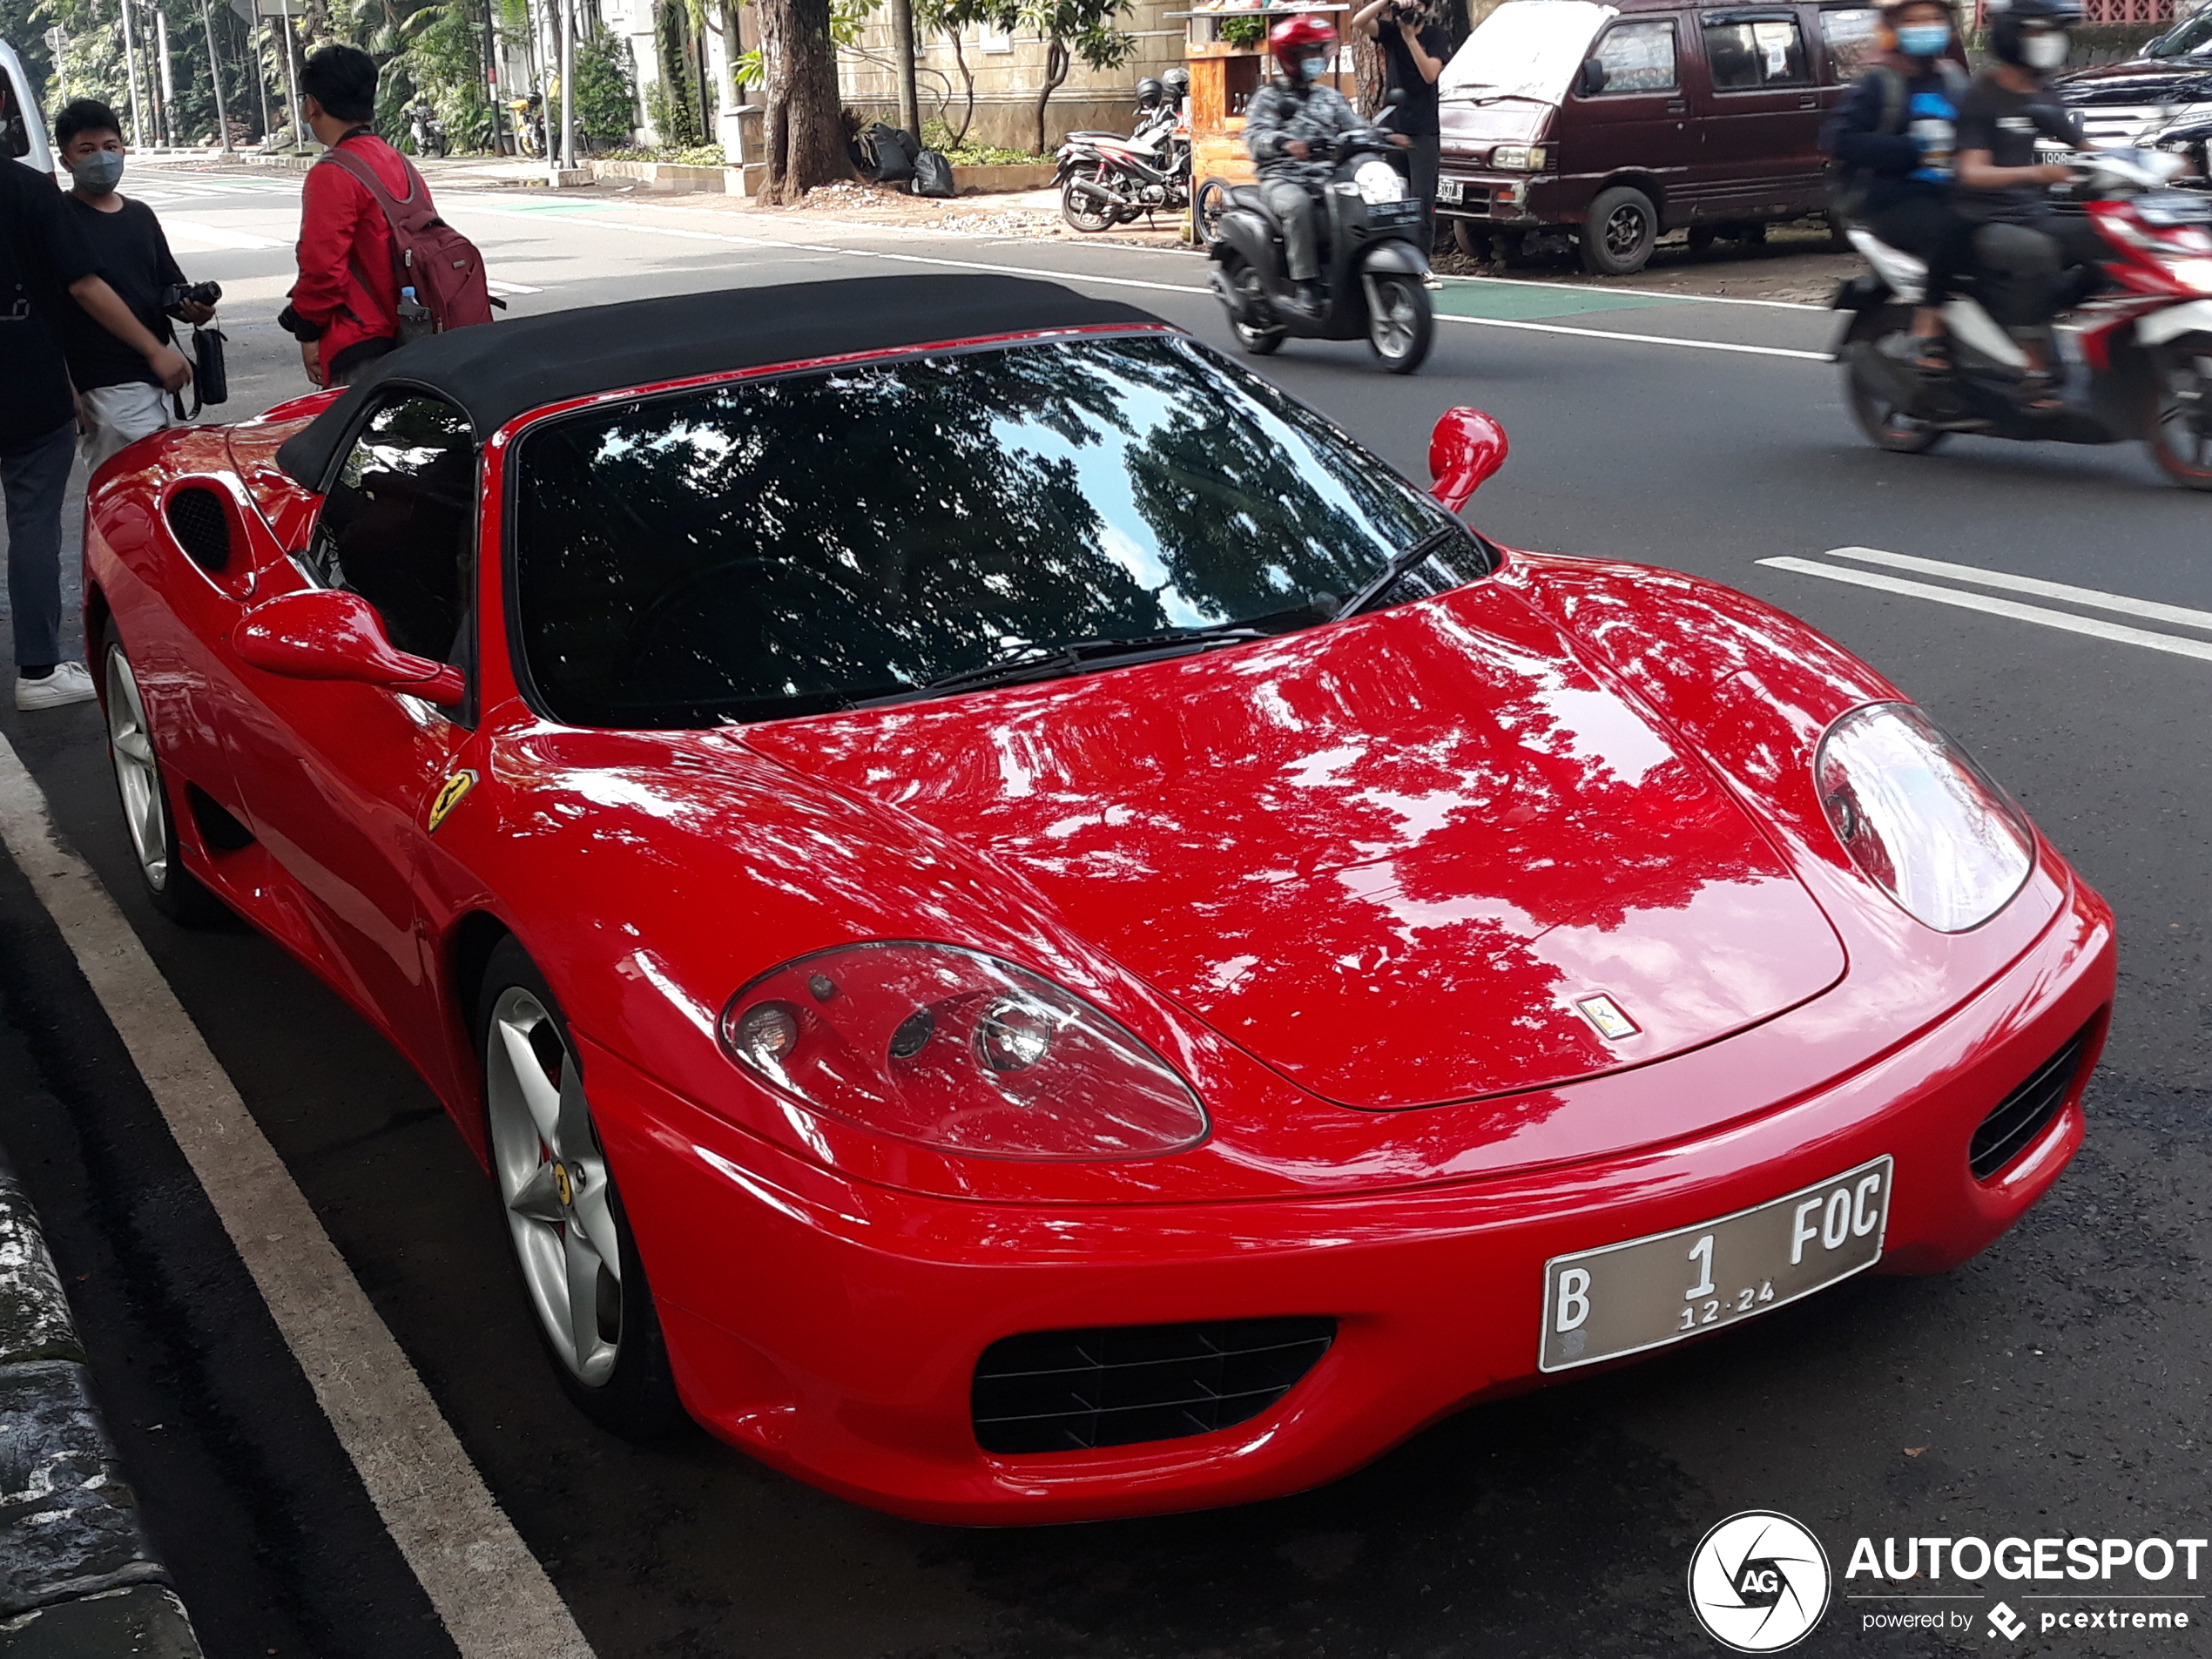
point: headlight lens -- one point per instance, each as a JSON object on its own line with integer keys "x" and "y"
{"x": 1920, "y": 818}
{"x": 1378, "y": 181}
{"x": 959, "y": 1051}
{"x": 1519, "y": 158}
{"x": 2195, "y": 273}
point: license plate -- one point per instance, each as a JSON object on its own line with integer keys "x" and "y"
{"x": 1392, "y": 212}
{"x": 1447, "y": 189}
{"x": 1623, "y": 1298}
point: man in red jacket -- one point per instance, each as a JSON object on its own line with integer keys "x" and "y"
{"x": 345, "y": 306}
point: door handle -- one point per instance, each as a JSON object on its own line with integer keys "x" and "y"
{"x": 1808, "y": 103}
{"x": 1678, "y": 107}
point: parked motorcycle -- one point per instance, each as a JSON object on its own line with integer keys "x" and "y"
{"x": 427, "y": 133}
{"x": 2145, "y": 339}
{"x": 530, "y": 123}
{"x": 1372, "y": 248}
{"x": 1106, "y": 179}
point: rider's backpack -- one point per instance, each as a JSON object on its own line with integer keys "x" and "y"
{"x": 933, "y": 175}
{"x": 1847, "y": 200}
{"x": 428, "y": 255}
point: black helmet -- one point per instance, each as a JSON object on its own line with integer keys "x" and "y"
{"x": 1149, "y": 92}
{"x": 2013, "y": 23}
{"x": 1177, "y": 81}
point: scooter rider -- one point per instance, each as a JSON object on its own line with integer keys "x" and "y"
{"x": 2019, "y": 243}
{"x": 1282, "y": 122}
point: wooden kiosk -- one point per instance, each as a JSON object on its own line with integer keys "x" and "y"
{"x": 1224, "y": 73}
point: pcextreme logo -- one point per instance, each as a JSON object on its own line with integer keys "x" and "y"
{"x": 1758, "y": 1583}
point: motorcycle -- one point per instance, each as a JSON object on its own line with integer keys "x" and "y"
{"x": 1106, "y": 179}
{"x": 1372, "y": 246}
{"x": 2146, "y": 338}
{"x": 427, "y": 133}
{"x": 530, "y": 123}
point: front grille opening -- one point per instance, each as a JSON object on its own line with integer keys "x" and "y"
{"x": 2026, "y": 1112}
{"x": 201, "y": 526}
{"x": 1071, "y": 1391}
{"x": 218, "y": 828}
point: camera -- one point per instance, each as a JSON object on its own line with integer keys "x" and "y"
{"x": 195, "y": 293}
{"x": 1407, "y": 12}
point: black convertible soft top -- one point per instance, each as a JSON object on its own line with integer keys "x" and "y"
{"x": 509, "y": 368}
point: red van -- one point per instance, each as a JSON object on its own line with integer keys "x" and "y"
{"x": 1612, "y": 124}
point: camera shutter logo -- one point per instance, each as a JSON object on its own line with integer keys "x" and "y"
{"x": 1758, "y": 1583}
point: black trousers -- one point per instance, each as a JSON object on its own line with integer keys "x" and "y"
{"x": 1933, "y": 230}
{"x": 1421, "y": 162}
{"x": 2020, "y": 266}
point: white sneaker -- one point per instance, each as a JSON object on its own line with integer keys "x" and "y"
{"x": 68, "y": 683}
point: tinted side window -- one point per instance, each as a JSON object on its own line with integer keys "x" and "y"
{"x": 396, "y": 526}
{"x": 1638, "y": 57}
{"x": 1745, "y": 56}
{"x": 1850, "y": 36}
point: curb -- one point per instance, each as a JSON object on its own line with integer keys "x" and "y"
{"x": 78, "y": 1576}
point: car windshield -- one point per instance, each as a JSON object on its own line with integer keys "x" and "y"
{"x": 1525, "y": 49}
{"x": 767, "y": 548}
{"x": 2190, "y": 39}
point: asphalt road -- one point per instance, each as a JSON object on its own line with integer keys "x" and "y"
{"x": 2055, "y": 1385}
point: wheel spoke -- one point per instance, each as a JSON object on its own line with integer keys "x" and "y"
{"x": 539, "y": 1094}
{"x": 131, "y": 742}
{"x": 584, "y": 1265}
{"x": 591, "y": 1210}
{"x": 538, "y": 1198}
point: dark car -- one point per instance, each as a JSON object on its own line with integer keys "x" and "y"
{"x": 2162, "y": 97}
{"x": 1613, "y": 123}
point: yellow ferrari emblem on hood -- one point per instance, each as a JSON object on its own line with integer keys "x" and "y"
{"x": 449, "y": 796}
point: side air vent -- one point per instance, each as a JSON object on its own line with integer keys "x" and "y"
{"x": 201, "y": 526}
{"x": 1064, "y": 1391}
{"x": 2025, "y": 1113}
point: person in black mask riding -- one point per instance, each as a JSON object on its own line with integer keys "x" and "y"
{"x": 2020, "y": 244}
{"x": 1894, "y": 139}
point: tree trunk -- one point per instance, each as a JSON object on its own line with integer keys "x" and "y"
{"x": 1055, "y": 70}
{"x": 967, "y": 86}
{"x": 799, "y": 61}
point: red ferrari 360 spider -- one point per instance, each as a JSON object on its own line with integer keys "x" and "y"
{"x": 1027, "y": 932}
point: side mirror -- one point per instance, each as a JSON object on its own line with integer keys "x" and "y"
{"x": 1394, "y": 97}
{"x": 1466, "y": 447}
{"x": 329, "y": 634}
{"x": 1591, "y": 81}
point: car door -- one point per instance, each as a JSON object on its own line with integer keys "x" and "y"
{"x": 336, "y": 778}
{"x": 1762, "y": 137}
{"x": 1638, "y": 121}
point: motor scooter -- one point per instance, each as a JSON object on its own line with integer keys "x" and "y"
{"x": 1107, "y": 179}
{"x": 2146, "y": 338}
{"x": 427, "y": 131}
{"x": 1371, "y": 244}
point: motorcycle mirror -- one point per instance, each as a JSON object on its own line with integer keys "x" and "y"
{"x": 1466, "y": 447}
{"x": 1591, "y": 81}
{"x": 1396, "y": 95}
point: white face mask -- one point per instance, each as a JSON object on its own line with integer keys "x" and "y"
{"x": 1313, "y": 68}
{"x": 2045, "y": 52}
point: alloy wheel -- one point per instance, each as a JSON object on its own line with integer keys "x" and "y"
{"x": 553, "y": 1180}
{"x": 138, "y": 772}
{"x": 1623, "y": 230}
{"x": 2181, "y": 433}
{"x": 1400, "y": 322}
{"x": 1252, "y": 291}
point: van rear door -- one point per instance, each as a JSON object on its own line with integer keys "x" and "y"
{"x": 1762, "y": 134}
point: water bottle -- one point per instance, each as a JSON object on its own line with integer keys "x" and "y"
{"x": 415, "y": 317}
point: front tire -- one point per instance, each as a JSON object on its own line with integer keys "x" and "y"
{"x": 1886, "y": 426}
{"x": 2179, "y": 435}
{"x": 1401, "y": 324}
{"x": 143, "y": 789}
{"x": 571, "y": 1237}
{"x": 1619, "y": 235}
{"x": 1252, "y": 292}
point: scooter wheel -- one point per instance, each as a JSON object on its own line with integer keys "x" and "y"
{"x": 2179, "y": 436}
{"x": 1083, "y": 211}
{"x": 1886, "y": 426}
{"x": 1252, "y": 293}
{"x": 1401, "y": 324}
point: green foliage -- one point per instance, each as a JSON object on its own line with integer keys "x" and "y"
{"x": 440, "y": 55}
{"x": 1244, "y": 33}
{"x": 935, "y": 135}
{"x": 92, "y": 61}
{"x": 606, "y": 98}
{"x": 849, "y": 20}
{"x": 1086, "y": 32}
{"x": 673, "y": 99}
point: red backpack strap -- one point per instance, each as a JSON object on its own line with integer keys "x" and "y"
{"x": 358, "y": 169}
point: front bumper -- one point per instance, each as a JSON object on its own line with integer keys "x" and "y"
{"x": 830, "y": 1328}
{"x": 1495, "y": 197}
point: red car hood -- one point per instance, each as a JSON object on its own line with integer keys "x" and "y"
{"x": 1388, "y": 857}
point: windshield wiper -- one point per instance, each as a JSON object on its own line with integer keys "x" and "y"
{"x": 1075, "y": 657}
{"x": 1399, "y": 564}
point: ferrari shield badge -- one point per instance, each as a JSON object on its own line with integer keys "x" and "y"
{"x": 449, "y": 796}
{"x": 1601, "y": 1011}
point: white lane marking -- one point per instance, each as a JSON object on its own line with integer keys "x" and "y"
{"x": 1159, "y": 287}
{"x": 215, "y": 236}
{"x": 494, "y": 1597}
{"x": 2094, "y": 597}
{"x": 510, "y": 288}
{"x": 2117, "y": 632}
{"x": 1659, "y": 296}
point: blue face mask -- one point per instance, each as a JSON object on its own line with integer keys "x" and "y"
{"x": 1313, "y": 68}
{"x": 99, "y": 172}
{"x": 1922, "y": 39}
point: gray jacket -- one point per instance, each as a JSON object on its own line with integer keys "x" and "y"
{"x": 1279, "y": 112}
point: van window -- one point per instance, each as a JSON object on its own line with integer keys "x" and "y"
{"x": 1850, "y": 35}
{"x": 1638, "y": 57}
{"x": 1745, "y": 56}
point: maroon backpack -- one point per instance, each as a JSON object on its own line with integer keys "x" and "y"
{"x": 428, "y": 255}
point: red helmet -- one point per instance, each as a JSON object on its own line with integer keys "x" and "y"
{"x": 1294, "y": 36}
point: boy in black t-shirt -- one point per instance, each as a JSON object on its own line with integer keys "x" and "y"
{"x": 1414, "y": 50}
{"x": 121, "y": 398}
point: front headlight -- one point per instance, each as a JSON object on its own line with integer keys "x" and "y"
{"x": 959, "y": 1051}
{"x": 1519, "y": 158}
{"x": 1378, "y": 181}
{"x": 1923, "y": 821}
{"x": 2194, "y": 273}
